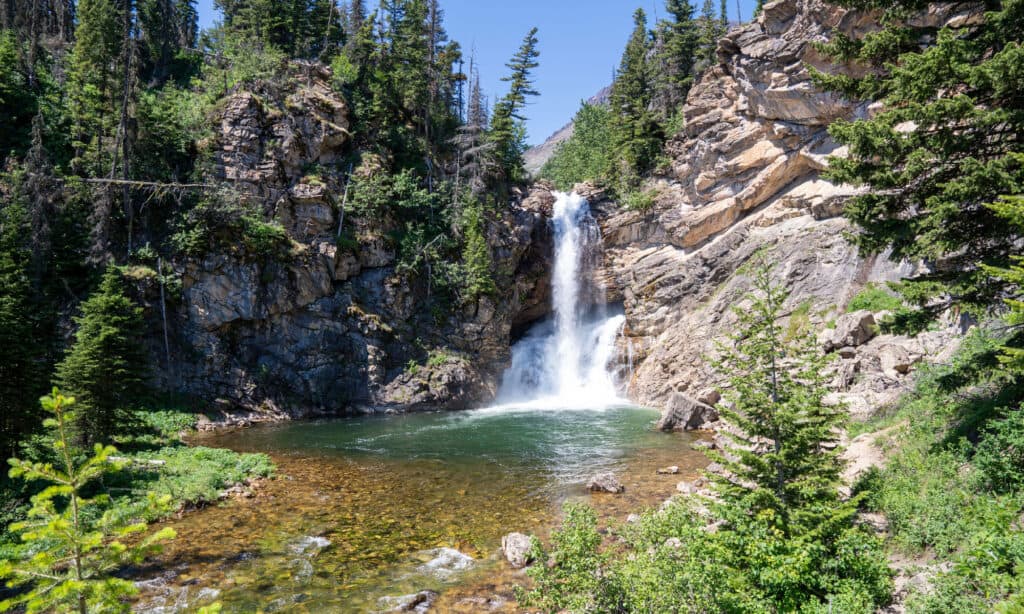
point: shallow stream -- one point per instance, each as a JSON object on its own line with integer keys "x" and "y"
{"x": 367, "y": 510}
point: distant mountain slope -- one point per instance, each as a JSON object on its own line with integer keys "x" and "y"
{"x": 535, "y": 157}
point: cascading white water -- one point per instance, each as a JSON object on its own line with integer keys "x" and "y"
{"x": 564, "y": 362}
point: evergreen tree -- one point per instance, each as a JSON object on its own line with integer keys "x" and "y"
{"x": 786, "y": 457}
{"x": 507, "y": 130}
{"x": 94, "y": 86}
{"x": 106, "y": 366}
{"x": 1011, "y": 210}
{"x": 788, "y": 529}
{"x": 945, "y": 145}
{"x": 475, "y": 162}
{"x": 18, "y": 368}
{"x": 17, "y": 103}
{"x": 637, "y": 135}
{"x": 73, "y": 544}
{"x": 676, "y": 51}
{"x": 711, "y": 29}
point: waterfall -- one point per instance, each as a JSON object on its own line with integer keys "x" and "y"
{"x": 564, "y": 361}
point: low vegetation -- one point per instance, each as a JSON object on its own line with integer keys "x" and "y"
{"x": 775, "y": 536}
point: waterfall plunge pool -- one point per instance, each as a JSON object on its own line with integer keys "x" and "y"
{"x": 378, "y": 507}
{"x": 368, "y": 512}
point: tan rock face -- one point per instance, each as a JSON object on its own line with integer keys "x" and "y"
{"x": 745, "y": 178}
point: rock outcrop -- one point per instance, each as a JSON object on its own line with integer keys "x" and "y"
{"x": 745, "y": 178}
{"x": 332, "y": 327}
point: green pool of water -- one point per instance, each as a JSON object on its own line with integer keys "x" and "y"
{"x": 382, "y": 506}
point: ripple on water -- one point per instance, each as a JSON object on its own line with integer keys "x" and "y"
{"x": 341, "y": 528}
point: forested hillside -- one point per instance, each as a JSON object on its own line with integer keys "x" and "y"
{"x": 809, "y": 227}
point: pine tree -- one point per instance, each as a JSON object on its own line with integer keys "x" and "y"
{"x": 94, "y": 84}
{"x": 1011, "y": 210}
{"x": 786, "y": 452}
{"x": 18, "y": 368}
{"x": 507, "y": 131}
{"x": 637, "y": 135}
{"x": 106, "y": 366}
{"x": 711, "y": 29}
{"x": 676, "y": 51}
{"x": 73, "y": 544}
{"x": 946, "y": 144}
{"x": 785, "y": 525}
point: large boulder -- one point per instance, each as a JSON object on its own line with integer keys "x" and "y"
{"x": 606, "y": 483}
{"x": 852, "y": 330}
{"x": 685, "y": 413}
{"x": 516, "y": 548}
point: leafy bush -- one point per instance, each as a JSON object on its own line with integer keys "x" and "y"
{"x": 569, "y": 577}
{"x": 196, "y": 475}
{"x": 638, "y": 200}
{"x": 1000, "y": 453}
{"x": 875, "y": 298}
{"x": 221, "y": 221}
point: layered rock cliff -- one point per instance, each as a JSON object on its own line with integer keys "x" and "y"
{"x": 745, "y": 178}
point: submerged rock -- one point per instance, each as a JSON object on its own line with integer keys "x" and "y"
{"x": 445, "y": 562}
{"x": 605, "y": 482}
{"x": 417, "y": 602}
{"x": 516, "y": 548}
{"x": 668, "y": 470}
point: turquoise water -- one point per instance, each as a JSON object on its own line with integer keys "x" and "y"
{"x": 375, "y": 507}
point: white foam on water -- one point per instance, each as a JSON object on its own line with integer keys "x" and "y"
{"x": 564, "y": 363}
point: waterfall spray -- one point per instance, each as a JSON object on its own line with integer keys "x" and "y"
{"x": 564, "y": 362}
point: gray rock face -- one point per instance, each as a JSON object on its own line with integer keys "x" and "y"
{"x": 334, "y": 327}
{"x": 516, "y": 548}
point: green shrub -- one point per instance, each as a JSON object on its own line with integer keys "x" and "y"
{"x": 638, "y": 200}
{"x": 197, "y": 475}
{"x": 221, "y": 221}
{"x": 875, "y": 298}
{"x": 569, "y": 576}
{"x": 1000, "y": 453}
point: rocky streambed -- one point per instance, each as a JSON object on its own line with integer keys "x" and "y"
{"x": 392, "y": 513}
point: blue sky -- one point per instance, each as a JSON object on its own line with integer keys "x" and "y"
{"x": 580, "y": 44}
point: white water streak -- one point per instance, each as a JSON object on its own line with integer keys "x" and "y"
{"x": 564, "y": 363}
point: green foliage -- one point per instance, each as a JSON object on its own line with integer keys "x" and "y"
{"x": 223, "y": 221}
{"x": 639, "y": 200}
{"x": 191, "y": 476}
{"x": 572, "y": 580}
{"x": 1000, "y": 453}
{"x": 17, "y": 104}
{"x": 784, "y": 541}
{"x": 93, "y": 87}
{"x": 106, "y": 366}
{"x": 951, "y": 485}
{"x": 18, "y": 357}
{"x": 929, "y": 157}
{"x": 73, "y": 544}
{"x": 508, "y": 133}
{"x": 476, "y": 254}
{"x": 586, "y": 156}
{"x": 637, "y": 134}
{"x": 874, "y": 298}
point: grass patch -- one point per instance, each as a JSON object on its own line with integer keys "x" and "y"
{"x": 875, "y": 298}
